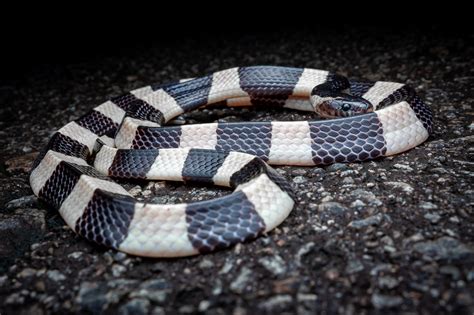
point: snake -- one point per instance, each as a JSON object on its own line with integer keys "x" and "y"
{"x": 130, "y": 137}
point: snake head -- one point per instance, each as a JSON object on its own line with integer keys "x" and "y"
{"x": 343, "y": 106}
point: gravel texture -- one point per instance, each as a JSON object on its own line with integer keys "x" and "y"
{"x": 391, "y": 235}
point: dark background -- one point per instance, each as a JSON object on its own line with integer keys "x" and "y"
{"x": 39, "y": 37}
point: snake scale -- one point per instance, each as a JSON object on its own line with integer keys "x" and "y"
{"x": 127, "y": 138}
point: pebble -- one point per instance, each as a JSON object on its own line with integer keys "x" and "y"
{"x": 336, "y": 167}
{"x": 348, "y": 181}
{"x": 387, "y": 282}
{"x": 26, "y": 201}
{"x": 158, "y": 310}
{"x": 3, "y": 280}
{"x": 354, "y": 266}
{"x": 206, "y": 263}
{"x": 241, "y": 281}
{"x": 432, "y": 217}
{"x": 332, "y": 207}
{"x": 357, "y": 204}
{"x": 135, "y": 306}
{"x": 156, "y": 290}
{"x": 119, "y": 256}
{"x": 26, "y": 273}
{"x": 305, "y": 249}
{"x": 401, "y": 185}
{"x": 75, "y": 255}
{"x": 92, "y": 297}
{"x": 55, "y": 275}
{"x": 187, "y": 309}
{"x": 204, "y": 305}
{"x": 402, "y": 167}
{"x": 372, "y": 220}
{"x": 14, "y": 299}
{"x": 274, "y": 264}
{"x": 117, "y": 270}
{"x": 444, "y": 248}
{"x": 381, "y": 301}
{"x": 382, "y": 268}
{"x": 299, "y": 171}
{"x": 299, "y": 179}
{"x": 368, "y": 196}
{"x": 276, "y": 302}
{"x": 428, "y": 206}
{"x": 451, "y": 270}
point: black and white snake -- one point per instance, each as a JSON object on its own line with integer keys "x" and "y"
{"x": 125, "y": 137}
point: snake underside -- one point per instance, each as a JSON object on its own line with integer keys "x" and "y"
{"x": 127, "y": 137}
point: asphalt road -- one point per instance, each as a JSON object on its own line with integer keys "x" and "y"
{"x": 391, "y": 235}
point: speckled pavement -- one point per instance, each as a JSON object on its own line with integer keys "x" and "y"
{"x": 391, "y": 235}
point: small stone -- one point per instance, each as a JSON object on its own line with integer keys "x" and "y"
{"x": 187, "y": 309}
{"x": 155, "y": 290}
{"x": 336, "y": 167}
{"x": 305, "y": 249}
{"x": 92, "y": 297}
{"x": 135, "y": 306}
{"x": 348, "y": 181}
{"x": 354, "y": 266}
{"x": 135, "y": 191}
{"x": 432, "y": 217}
{"x": 300, "y": 179}
{"x": 299, "y": 171}
{"x": 428, "y": 206}
{"x": 40, "y": 286}
{"x": 306, "y": 297}
{"x": 56, "y": 275}
{"x": 26, "y": 201}
{"x": 347, "y": 173}
{"x": 117, "y": 270}
{"x": 454, "y": 219}
{"x": 387, "y": 282}
{"x": 3, "y": 280}
{"x": 368, "y": 196}
{"x": 401, "y": 185}
{"x": 119, "y": 256}
{"x": 403, "y": 167}
{"x": 387, "y": 240}
{"x": 381, "y": 268}
{"x": 14, "y": 299}
{"x": 450, "y": 270}
{"x": 332, "y": 274}
{"x": 332, "y": 207}
{"x": 204, "y": 305}
{"x": 357, "y": 204}
{"x": 276, "y": 302}
{"x": 372, "y": 220}
{"x": 239, "y": 284}
{"x": 75, "y": 255}
{"x": 206, "y": 263}
{"x": 444, "y": 248}
{"x": 26, "y": 273}
{"x": 274, "y": 264}
{"x": 229, "y": 264}
{"x": 380, "y": 301}
{"x": 158, "y": 310}
{"x": 317, "y": 171}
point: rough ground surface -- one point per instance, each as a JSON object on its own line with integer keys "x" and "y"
{"x": 392, "y": 235}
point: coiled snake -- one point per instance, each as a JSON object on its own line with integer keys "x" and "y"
{"x": 126, "y": 137}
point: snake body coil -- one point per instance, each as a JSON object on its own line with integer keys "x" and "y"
{"x": 125, "y": 137}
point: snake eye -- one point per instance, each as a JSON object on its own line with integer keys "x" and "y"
{"x": 345, "y": 107}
